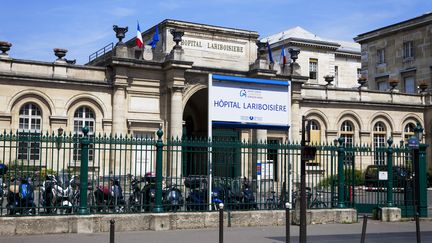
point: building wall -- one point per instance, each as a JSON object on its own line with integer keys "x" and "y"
{"x": 347, "y": 71}
{"x": 395, "y": 66}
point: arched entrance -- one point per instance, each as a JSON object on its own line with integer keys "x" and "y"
{"x": 226, "y": 157}
{"x": 195, "y": 115}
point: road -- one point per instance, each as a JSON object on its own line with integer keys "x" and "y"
{"x": 376, "y": 232}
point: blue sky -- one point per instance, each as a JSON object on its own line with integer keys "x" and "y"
{"x": 36, "y": 27}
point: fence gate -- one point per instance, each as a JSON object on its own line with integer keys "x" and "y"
{"x": 370, "y": 184}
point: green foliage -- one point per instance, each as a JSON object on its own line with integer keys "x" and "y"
{"x": 358, "y": 179}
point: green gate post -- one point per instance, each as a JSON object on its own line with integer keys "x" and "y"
{"x": 421, "y": 181}
{"x": 159, "y": 146}
{"x": 83, "y": 209}
{"x": 341, "y": 176}
{"x": 390, "y": 173}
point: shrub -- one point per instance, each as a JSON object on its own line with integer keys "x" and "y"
{"x": 358, "y": 179}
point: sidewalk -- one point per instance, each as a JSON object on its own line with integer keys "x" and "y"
{"x": 376, "y": 232}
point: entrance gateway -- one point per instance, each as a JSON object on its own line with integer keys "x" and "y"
{"x": 240, "y": 102}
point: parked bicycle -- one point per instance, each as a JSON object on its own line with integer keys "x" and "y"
{"x": 313, "y": 199}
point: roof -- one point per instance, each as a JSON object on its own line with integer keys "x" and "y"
{"x": 300, "y": 34}
{"x": 424, "y": 19}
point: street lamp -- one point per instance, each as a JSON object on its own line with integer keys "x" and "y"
{"x": 418, "y": 131}
{"x": 59, "y": 138}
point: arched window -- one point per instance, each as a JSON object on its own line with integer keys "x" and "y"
{"x": 347, "y": 133}
{"x": 315, "y": 132}
{"x": 379, "y": 138}
{"x": 315, "y": 139}
{"x": 30, "y": 118}
{"x": 83, "y": 116}
{"x": 30, "y": 126}
{"x": 408, "y": 131}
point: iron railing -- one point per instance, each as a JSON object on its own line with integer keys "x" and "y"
{"x": 194, "y": 175}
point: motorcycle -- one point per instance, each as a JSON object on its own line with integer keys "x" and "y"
{"x": 136, "y": 198}
{"x": 149, "y": 191}
{"x": 172, "y": 198}
{"x": 57, "y": 192}
{"x": 197, "y": 196}
{"x": 247, "y": 197}
{"x": 109, "y": 197}
{"x": 20, "y": 198}
{"x": 197, "y": 199}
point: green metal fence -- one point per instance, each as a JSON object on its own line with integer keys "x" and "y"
{"x": 87, "y": 173}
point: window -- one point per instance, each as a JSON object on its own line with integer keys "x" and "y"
{"x": 408, "y": 49}
{"x": 359, "y": 73}
{"x": 409, "y": 131}
{"x": 313, "y": 68}
{"x": 315, "y": 139}
{"x": 347, "y": 133}
{"x": 380, "y": 56}
{"x": 379, "y": 136}
{"x": 336, "y": 75}
{"x": 382, "y": 85}
{"x": 30, "y": 121}
{"x": 409, "y": 83}
{"x": 83, "y": 116}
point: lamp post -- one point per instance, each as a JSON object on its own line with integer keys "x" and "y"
{"x": 418, "y": 131}
{"x": 304, "y": 141}
{"x": 414, "y": 143}
{"x": 59, "y": 138}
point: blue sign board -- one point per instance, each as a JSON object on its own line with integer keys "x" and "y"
{"x": 413, "y": 143}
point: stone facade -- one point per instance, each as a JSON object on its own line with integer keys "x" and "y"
{"x": 136, "y": 91}
{"x": 339, "y": 59}
{"x": 402, "y": 52}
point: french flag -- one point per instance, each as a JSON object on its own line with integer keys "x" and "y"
{"x": 283, "y": 57}
{"x": 139, "y": 40}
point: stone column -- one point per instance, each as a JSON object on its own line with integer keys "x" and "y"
{"x": 118, "y": 114}
{"x": 296, "y": 84}
{"x": 118, "y": 109}
{"x": 176, "y": 121}
{"x": 175, "y": 79}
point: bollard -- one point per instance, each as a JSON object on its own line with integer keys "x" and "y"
{"x": 417, "y": 222}
{"x": 229, "y": 218}
{"x": 112, "y": 229}
{"x": 363, "y": 236}
{"x": 287, "y": 221}
{"x": 221, "y": 206}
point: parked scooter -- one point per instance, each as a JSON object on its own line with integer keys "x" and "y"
{"x": 20, "y": 198}
{"x": 248, "y": 198}
{"x": 197, "y": 196}
{"x": 109, "y": 197}
{"x": 136, "y": 198}
{"x": 59, "y": 193}
{"x": 172, "y": 198}
{"x": 149, "y": 196}
{"x": 197, "y": 199}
